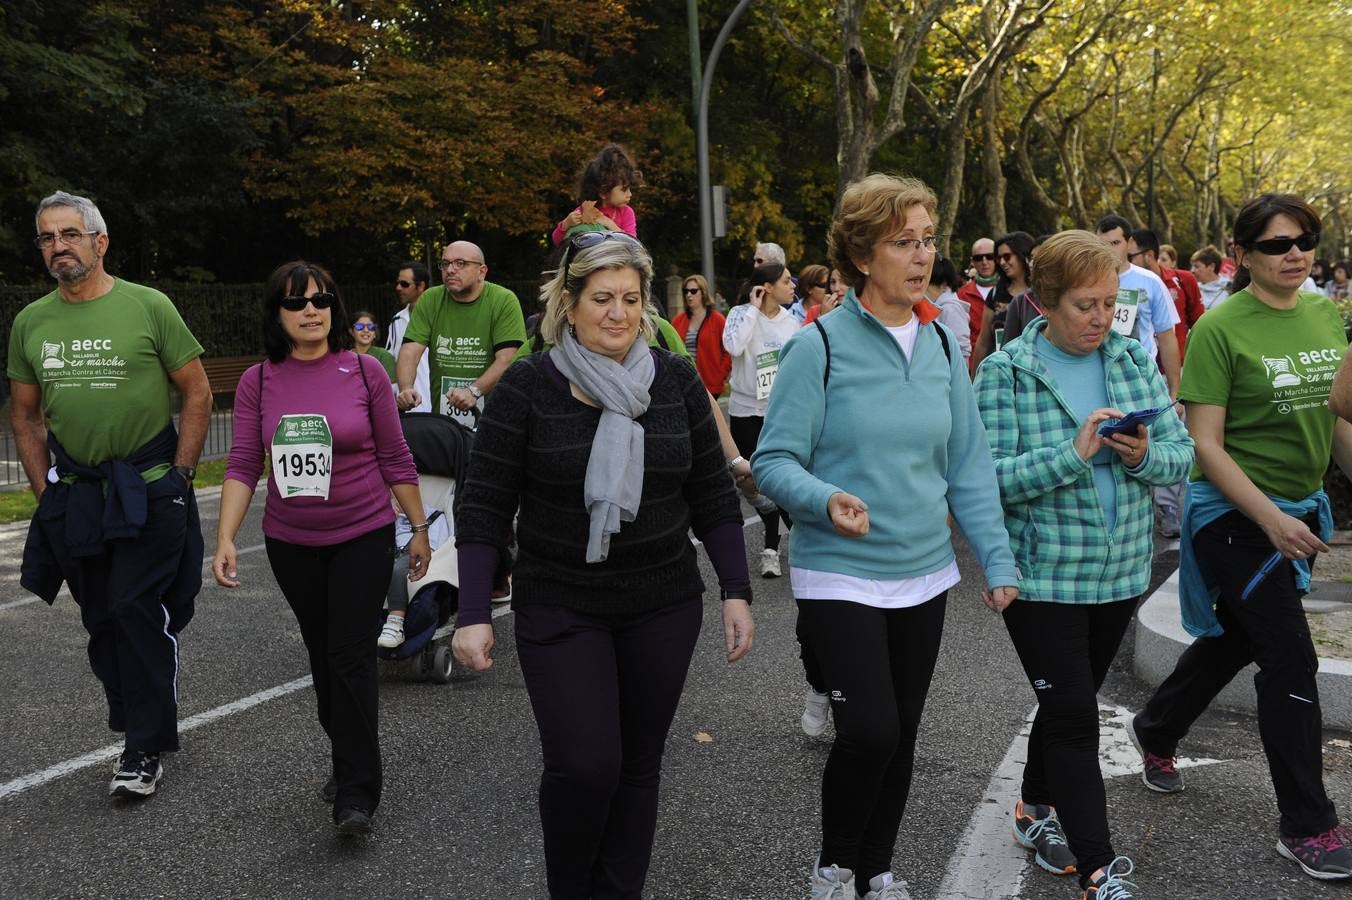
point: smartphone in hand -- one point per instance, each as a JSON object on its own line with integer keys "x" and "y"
{"x": 1128, "y": 424}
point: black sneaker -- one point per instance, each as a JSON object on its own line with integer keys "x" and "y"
{"x": 329, "y": 792}
{"x": 1323, "y": 856}
{"x": 1159, "y": 773}
{"x": 1036, "y": 828}
{"x": 352, "y": 820}
{"x": 137, "y": 774}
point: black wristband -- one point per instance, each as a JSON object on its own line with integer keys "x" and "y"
{"x": 737, "y": 595}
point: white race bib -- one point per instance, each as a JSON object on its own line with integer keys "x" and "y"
{"x": 302, "y": 456}
{"x": 466, "y": 417}
{"x": 1124, "y": 311}
{"x": 767, "y": 366}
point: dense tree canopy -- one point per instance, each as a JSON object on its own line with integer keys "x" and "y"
{"x": 222, "y": 137}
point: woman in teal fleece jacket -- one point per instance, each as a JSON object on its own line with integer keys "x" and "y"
{"x": 868, "y": 451}
{"x": 1078, "y": 508}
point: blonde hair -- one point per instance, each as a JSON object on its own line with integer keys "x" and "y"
{"x": 561, "y": 292}
{"x": 1067, "y": 260}
{"x": 869, "y": 210}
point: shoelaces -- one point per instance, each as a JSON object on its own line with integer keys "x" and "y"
{"x": 1164, "y": 763}
{"x": 1046, "y": 828}
{"x": 1115, "y": 886}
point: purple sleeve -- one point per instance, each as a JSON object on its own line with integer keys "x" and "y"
{"x": 726, "y": 545}
{"x": 478, "y": 563}
{"x": 628, "y": 222}
{"x": 392, "y": 453}
{"x": 246, "y": 445}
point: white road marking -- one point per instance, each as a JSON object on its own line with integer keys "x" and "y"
{"x": 111, "y": 751}
{"x": 989, "y": 865}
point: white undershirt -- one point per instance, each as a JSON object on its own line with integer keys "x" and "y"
{"x": 905, "y": 335}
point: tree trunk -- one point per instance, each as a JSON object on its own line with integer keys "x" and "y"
{"x": 955, "y": 165}
{"x": 992, "y": 171}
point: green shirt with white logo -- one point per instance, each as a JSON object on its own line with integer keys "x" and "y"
{"x": 461, "y": 338}
{"x": 103, "y": 368}
{"x": 1271, "y": 369}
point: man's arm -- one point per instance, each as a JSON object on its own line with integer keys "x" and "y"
{"x": 406, "y": 373}
{"x": 501, "y": 360}
{"x": 1342, "y": 446}
{"x": 1169, "y": 361}
{"x": 30, "y": 433}
{"x": 193, "y": 419}
{"x": 1340, "y": 395}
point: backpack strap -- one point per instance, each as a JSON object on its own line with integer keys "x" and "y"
{"x": 943, "y": 339}
{"x": 826, "y": 345}
{"x": 661, "y": 338}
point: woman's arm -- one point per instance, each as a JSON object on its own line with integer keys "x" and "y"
{"x": 1169, "y": 451}
{"x": 739, "y": 328}
{"x": 1340, "y": 396}
{"x": 235, "y": 497}
{"x": 1291, "y": 536}
{"x": 419, "y": 545}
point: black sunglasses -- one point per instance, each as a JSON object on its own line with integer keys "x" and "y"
{"x": 321, "y": 301}
{"x": 691, "y": 291}
{"x": 404, "y": 284}
{"x": 980, "y": 257}
{"x": 1282, "y": 245}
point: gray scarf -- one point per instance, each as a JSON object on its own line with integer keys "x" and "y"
{"x": 614, "y": 481}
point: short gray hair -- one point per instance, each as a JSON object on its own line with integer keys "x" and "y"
{"x": 89, "y": 213}
{"x": 560, "y": 293}
{"x": 771, "y": 253}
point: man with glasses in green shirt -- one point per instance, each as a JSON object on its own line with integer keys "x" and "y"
{"x": 471, "y": 329}
{"x": 90, "y": 366}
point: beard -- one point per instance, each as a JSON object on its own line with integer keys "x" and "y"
{"x": 70, "y": 274}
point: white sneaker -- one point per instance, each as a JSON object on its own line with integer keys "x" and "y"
{"x": 832, "y": 883}
{"x": 816, "y": 713}
{"x": 770, "y": 563}
{"x": 885, "y": 887}
{"x": 392, "y": 635}
{"x": 138, "y": 774}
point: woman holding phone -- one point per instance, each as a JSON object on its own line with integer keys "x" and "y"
{"x": 1260, "y": 366}
{"x": 1077, "y": 500}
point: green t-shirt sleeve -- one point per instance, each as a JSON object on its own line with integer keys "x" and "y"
{"x": 420, "y": 320}
{"x": 1208, "y": 375}
{"x": 509, "y": 326}
{"x": 173, "y": 341}
{"x": 19, "y": 368}
{"x": 385, "y": 359}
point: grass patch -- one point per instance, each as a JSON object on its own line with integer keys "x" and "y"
{"x": 18, "y": 506}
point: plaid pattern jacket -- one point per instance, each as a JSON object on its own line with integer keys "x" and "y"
{"x": 1057, "y": 530}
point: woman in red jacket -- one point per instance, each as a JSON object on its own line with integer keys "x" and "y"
{"x": 701, "y": 326}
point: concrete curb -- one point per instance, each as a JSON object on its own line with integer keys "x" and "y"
{"x": 1160, "y": 640}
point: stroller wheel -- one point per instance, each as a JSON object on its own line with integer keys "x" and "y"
{"x": 424, "y": 663}
{"x": 441, "y": 665}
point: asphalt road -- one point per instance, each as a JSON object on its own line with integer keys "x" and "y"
{"x": 238, "y": 813}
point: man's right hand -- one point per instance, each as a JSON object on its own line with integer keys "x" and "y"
{"x": 407, "y": 399}
{"x": 472, "y": 646}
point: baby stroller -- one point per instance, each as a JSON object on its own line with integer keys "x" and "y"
{"x": 440, "y": 449}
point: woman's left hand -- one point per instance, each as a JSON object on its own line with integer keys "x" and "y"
{"x": 1131, "y": 447}
{"x": 738, "y": 629}
{"x": 742, "y": 477}
{"x": 1000, "y": 598}
{"x": 419, "y": 555}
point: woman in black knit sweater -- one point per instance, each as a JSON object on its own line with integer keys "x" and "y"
{"x": 609, "y": 449}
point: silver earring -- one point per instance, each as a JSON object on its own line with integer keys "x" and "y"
{"x": 572, "y": 329}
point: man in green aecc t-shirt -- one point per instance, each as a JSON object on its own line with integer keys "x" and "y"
{"x": 117, "y": 520}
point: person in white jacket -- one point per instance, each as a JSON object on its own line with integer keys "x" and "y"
{"x": 755, "y": 331}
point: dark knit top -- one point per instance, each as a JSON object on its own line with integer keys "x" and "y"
{"x": 531, "y": 450}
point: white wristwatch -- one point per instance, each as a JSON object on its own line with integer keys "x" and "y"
{"x": 474, "y": 389}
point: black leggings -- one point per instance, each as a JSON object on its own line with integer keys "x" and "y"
{"x": 746, "y": 435}
{"x": 877, "y": 665}
{"x": 337, "y": 593}
{"x": 1269, "y": 629}
{"x": 1066, "y": 650}
{"x": 604, "y": 690}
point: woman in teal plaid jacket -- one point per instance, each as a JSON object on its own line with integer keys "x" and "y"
{"x": 1079, "y": 515}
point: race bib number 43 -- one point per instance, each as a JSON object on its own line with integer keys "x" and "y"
{"x": 767, "y": 366}
{"x": 1124, "y": 312}
{"x": 302, "y": 456}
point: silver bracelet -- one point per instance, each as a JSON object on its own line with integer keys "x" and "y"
{"x": 732, "y": 463}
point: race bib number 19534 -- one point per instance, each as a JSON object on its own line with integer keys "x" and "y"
{"x": 302, "y": 456}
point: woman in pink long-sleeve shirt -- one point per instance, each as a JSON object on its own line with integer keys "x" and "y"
{"x": 327, "y": 418}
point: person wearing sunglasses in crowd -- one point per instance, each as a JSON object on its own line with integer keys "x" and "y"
{"x": 836, "y": 289}
{"x": 324, "y": 415}
{"x": 701, "y": 327}
{"x": 608, "y": 448}
{"x": 1257, "y": 394}
{"x": 409, "y": 286}
{"x": 978, "y": 288}
{"x": 364, "y": 333}
{"x": 470, "y": 328}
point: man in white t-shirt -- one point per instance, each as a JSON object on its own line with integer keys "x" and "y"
{"x": 1144, "y": 309}
{"x": 409, "y": 286}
